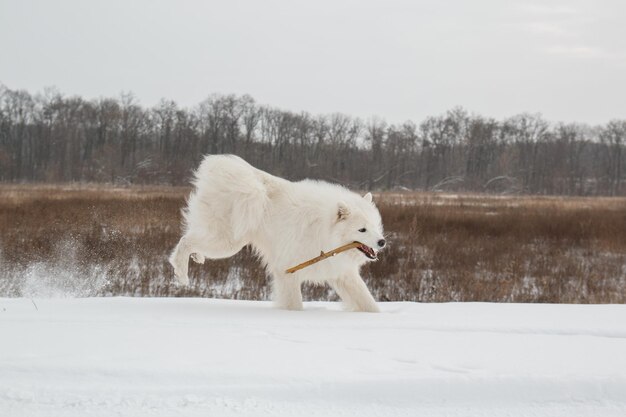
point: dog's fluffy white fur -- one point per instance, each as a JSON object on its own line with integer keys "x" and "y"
{"x": 287, "y": 223}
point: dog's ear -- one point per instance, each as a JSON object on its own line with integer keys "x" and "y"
{"x": 368, "y": 197}
{"x": 342, "y": 211}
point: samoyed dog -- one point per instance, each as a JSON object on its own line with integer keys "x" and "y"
{"x": 287, "y": 223}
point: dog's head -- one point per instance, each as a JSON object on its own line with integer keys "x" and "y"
{"x": 359, "y": 221}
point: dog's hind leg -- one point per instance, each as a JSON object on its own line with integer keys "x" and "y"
{"x": 354, "y": 293}
{"x": 197, "y": 258}
{"x": 212, "y": 249}
{"x": 286, "y": 292}
{"x": 199, "y": 248}
{"x": 180, "y": 260}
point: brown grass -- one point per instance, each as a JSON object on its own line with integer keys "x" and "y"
{"x": 98, "y": 240}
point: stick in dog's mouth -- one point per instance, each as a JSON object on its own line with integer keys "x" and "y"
{"x": 367, "y": 251}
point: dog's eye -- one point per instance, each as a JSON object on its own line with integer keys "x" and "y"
{"x": 363, "y": 230}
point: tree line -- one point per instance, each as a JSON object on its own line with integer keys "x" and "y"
{"x": 48, "y": 137}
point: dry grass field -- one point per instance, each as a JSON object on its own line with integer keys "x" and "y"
{"x": 88, "y": 240}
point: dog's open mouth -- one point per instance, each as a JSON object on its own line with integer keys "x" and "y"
{"x": 367, "y": 251}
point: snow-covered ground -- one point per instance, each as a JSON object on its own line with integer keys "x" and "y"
{"x": 199, "y": 357}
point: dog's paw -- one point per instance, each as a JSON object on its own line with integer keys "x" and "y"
{"x": 291, "y": 307}
{"x": 372, "y": 309}
{"x": 365, "y": 308}
{"x": 182, "y": 280}
{"x": 197, "y": 258}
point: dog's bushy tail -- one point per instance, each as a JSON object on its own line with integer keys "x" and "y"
{"x": 231, "y": 178}
{"x": 248, "y": 208}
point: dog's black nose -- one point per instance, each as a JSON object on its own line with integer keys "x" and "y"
{"x": 381, "y": 243}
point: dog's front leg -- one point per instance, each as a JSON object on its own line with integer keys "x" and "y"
{"x": 286, "y": 291}
{"x": 354, "y": 293}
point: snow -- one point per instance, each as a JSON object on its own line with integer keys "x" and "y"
{"x": 205, "y": 357}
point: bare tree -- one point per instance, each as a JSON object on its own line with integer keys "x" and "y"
{"x": 49, "y": 137}
{"x": 613, "y": 136}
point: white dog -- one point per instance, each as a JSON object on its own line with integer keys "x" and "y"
{"x": 287, "y": 223}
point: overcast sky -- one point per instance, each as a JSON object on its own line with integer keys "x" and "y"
{"x": 396, "y": 59}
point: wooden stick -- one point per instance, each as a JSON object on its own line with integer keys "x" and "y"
{"x": 323, "y": 256}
